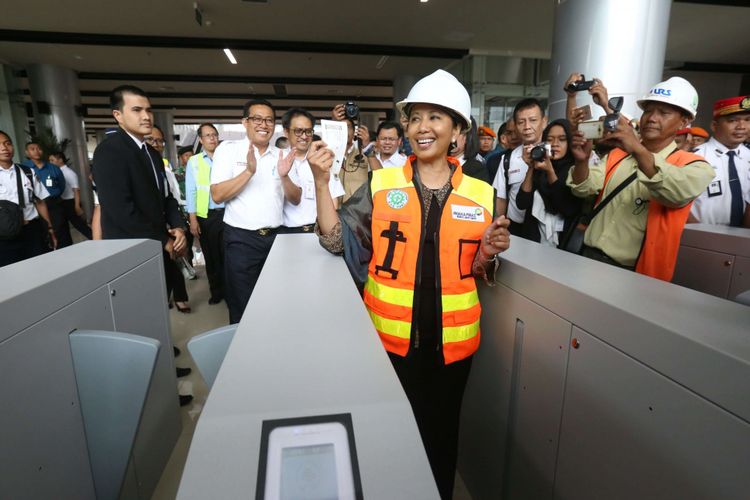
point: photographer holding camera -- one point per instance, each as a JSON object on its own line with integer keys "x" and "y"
{"x": 645, "y": 186}
{"x": 530, "y": 122}
{"x": 549, "y": 205}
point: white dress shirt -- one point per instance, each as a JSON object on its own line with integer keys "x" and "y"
{"x": 306, "y": 212}
{"x": 71, "y": 182}
{"x": 9, "y": 190}
{"x": 714, "y": 205}
{"x": 516, "y": 174}
{"x": 396, "y": 160}
{"x": 260, "y": 204}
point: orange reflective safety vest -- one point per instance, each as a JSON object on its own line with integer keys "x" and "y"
{"x": 391, "y": 291}
{"x": 664, "y": 225}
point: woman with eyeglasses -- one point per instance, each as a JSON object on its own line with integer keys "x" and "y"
{"x": 415, "y": 238}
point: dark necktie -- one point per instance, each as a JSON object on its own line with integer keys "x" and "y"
{"x": 735, "y": 217}
{"x": 157, "y": 177}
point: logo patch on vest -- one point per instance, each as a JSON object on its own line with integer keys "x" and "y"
{"x": 473, "y": 214}
{"x": 396, "y": 198}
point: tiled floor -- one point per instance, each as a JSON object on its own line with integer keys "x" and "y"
{"x": 184, "y": 326}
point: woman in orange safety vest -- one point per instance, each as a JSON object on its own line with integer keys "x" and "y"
{"x": 414, "y": 239}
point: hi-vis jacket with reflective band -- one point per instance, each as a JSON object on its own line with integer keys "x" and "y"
{"x": 202, "y": 186}
{"x": 391, "y": 291}
{"x": 664, "y": 225}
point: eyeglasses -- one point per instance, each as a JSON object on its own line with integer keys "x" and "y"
{"x": 210, "y": 136}
{"x": 257, "y": 120}
{"x": 299, "y": 132}
{"x": 153, "y": 140}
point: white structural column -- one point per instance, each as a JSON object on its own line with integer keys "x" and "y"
{"x": 57, "y": 106}
{"x": 621, "y": 42}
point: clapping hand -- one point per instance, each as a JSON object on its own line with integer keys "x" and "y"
{"x": 252, "y": 163}
{"x": 284, "y": 164}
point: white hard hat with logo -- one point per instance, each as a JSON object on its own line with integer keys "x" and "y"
{"x": 443, "y": 89}
{"x": 676, "y": 91}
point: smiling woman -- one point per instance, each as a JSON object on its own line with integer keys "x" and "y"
{"x": 415, "y": 238}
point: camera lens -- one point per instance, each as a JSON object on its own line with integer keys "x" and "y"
{"x": 538, "y": 152}
{"x": 351, "y": 110}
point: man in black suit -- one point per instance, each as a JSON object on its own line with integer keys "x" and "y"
{"x": 133, "y": 193}
{"x": 130, "y": 181}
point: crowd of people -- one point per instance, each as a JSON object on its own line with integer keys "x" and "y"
{"x": 412, "y": 209}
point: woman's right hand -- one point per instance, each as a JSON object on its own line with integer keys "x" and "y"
{"x": 320, "y": 159}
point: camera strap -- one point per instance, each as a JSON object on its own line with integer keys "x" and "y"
{"x": 615, "y": 191}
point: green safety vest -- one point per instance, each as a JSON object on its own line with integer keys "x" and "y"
{"x": 202, "y": 186}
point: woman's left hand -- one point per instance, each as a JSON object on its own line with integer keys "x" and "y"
{"x": 496, "y": 238}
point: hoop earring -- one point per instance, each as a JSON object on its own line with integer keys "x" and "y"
{"x": 453, "y": 145}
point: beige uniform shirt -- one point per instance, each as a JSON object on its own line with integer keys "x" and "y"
{"x": 619, "y": 228}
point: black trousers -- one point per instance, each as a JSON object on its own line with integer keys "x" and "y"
{"x": 245, "y": 253}
{"x": 175, "y": 280}
{"x": 212, "y": 244}
{"x": 31, "y": 242}
{"x": 69, "y": 212}
{"x": 58, "y": 220}
{"x": 435, "y": 392}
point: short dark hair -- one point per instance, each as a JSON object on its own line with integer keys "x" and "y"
{"x": 26, "y": 146}
{"x": 200, "y": 127}
{"x": 279, "y": 140}
{"x": 388, "y": 125}
{"x": 256, "y": 102}
{"x": 157, "y": 127}
{"x": 529, "y": 102}
{"x": 117, "y": 99}
{"x": 286, "y": 120}
{"x": 184, "y": 149}
{"x": 501, "y": 130}
{"x": 59, "y": 155}
{"x": 3, "y": 132}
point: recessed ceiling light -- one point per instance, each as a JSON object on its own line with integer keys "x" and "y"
{"x": 423, "y": 1}
{"x": 230, "y": 56}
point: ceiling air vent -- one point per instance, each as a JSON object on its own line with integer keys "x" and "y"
{"x": 256, "y": 1}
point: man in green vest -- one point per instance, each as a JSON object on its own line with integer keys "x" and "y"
{"x": 206, "y": 217}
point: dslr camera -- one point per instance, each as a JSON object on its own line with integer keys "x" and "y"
{"x": 540, "y": 151}
{"x": 579, "y": 85}
{"x": 351, "y": 110}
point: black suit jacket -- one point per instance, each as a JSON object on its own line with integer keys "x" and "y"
{"x": 131, "y": 204}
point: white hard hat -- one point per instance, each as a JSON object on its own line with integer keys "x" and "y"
{"x": 443, "y": 89}
{"x": 675, "y": 91}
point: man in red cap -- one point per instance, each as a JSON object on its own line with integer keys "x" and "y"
{"x": 684, "y": 139}
{"x": 486, "y": 140}
{"x": 727, "y": 198}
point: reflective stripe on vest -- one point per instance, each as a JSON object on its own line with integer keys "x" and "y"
{"x": 202, "y": 186}
{"x": 396, "y": 231}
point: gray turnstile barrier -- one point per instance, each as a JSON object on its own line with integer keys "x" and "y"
{"x": 305, "y": 346}
{"x": 716, "y": 260}
{"x": 95, "y": 285}
{"x": 593, "y": 382}
{"x": 113, "y": 373}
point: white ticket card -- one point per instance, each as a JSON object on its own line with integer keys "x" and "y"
{"x": 334, "y": 134}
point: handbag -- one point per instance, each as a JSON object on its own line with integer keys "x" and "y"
{"x": 11, "y": 214}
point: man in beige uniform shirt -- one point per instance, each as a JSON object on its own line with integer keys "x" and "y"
{"x": 616, "y": 234}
